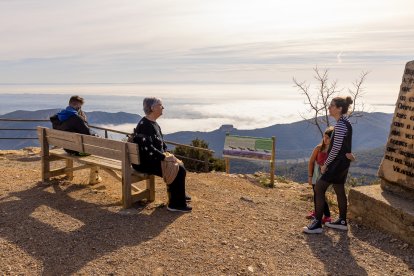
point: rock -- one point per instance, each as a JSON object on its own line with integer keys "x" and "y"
{"x": 250, "y": 268}
{"x": 404, "y": 246}
{"x": 248, "y": 199}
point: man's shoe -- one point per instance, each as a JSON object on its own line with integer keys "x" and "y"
{"x": 184, "y": 209}
{"x": 338, "y": 224}
{"x": 311, "y": 215}
{"x": 314, "y": 228}
{"x": 187, "y": 198}
{"x": 326, "y": 219}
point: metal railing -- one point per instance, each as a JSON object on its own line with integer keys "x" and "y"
{"x": 106, "y": 131}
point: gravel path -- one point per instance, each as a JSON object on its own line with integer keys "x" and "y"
{"x": 236, "y": 228}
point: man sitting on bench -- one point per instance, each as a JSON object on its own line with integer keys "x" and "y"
{"x": 72, "y": 119}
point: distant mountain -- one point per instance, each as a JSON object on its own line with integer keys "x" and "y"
{"x": 294, "y": 140}
{"x": 94, "y": 117}
{"x": 297, "y": 140}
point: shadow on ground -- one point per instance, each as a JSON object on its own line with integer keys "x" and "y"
{"x": 386, "y": 243}
{"x": 100, "y": 231}
{"x": 335, "y": 254}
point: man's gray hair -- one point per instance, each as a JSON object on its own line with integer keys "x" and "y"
{"x": 148, "y": 103}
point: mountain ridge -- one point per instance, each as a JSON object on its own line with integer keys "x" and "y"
{"x": 293, "y": 140}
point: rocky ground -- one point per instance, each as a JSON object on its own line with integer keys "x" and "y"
{"x": 237, "y": 227}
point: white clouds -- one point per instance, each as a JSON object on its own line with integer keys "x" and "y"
{"x": 202, "y": 41}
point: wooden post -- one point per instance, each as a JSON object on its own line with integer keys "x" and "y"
{"x": 106, "y": 133}
{"x": 94, "y": 177}
{"x": 45, "y": 155}
{"x": 272, "y": 162}
{"x": 226, "y": 159}
{"x": 227, "y": 162}
{"x": 69, "y": 165}
{"x": 151, "y": 188}
{"x": 126, "y": 178}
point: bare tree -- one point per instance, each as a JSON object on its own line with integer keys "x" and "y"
{"x": 357, "y": 93}
{"x": 318, "y": 100}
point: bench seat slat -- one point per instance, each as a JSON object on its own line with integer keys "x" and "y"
{"x": 104, "y": 152}
{"x": 133, "y": 153}
{"x": 91, "y": 159}
{"x": 64, "y": 144}
{"x": 104, "y": 143}
{"x": 63, "y": 135}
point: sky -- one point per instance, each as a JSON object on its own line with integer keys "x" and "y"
{"x": 194, "y": 41}
{"x": 205, "y": 43}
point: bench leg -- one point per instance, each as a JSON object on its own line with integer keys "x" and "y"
{"x": 151, "y": 188}
{"x": 45, "y": 168}
{"x": 69, "y": 165}
{"x": 94, "y": 177}
{"x": 45, "y": 155}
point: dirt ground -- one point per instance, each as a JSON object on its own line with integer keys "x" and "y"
{"x": 237, "y": 227}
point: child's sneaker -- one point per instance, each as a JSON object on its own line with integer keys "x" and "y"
{"x": 311, "y": 215}
{"x": 326, "y": 219}
{"x": 338, "y": 224}
{"x": 314, "y": 228}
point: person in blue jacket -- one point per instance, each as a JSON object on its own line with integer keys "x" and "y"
{"x": 72, "y": 119}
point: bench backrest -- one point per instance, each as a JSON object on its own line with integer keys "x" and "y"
{"x": 108, "y": 148}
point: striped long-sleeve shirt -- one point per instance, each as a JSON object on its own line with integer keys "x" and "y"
{"x": 340, "y": 131}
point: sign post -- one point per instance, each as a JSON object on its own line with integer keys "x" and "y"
{"x": 245, "y": 147}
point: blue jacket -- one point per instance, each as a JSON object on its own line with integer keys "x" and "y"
{"x": 69, "y": 120}
{"x": 65, "y": 114}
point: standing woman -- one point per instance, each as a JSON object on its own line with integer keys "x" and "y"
{"x": 316, "y": 161}
{"x": 154, "y": 159}
{"x": 335, "y": 169}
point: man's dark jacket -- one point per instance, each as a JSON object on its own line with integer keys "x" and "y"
{"x": 69, "y": 120}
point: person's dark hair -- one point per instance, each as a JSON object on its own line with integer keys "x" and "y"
{"x": 343, "y": 102}
{"x": 148, "y": 103}
{"x": 76, "y": 99}
{"x": 328, "y": 131}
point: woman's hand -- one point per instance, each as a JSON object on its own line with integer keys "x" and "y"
{"x": 310, "y": 180}
{"x": 170, "y": 158}
{"x": 323, "y": 169}
{"x": 350, "y": 156}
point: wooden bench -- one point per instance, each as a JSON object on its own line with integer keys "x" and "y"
{"x": 109, "y": 155}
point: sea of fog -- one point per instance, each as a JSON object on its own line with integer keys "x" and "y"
{"x": 187, "y": 107}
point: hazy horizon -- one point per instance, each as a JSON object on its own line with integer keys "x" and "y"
{"x": 186, "y": 110}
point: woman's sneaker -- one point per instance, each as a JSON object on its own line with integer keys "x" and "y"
{"x": 314, "y": 228}
{"x": 184, "y": 209}
{"x": 338, "y": 224}
{"x": 326, "y": 219}
{"x": 311, "y": 215}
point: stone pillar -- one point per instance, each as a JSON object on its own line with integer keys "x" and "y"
{"x": 397, "y": 167}
{"x": 390, "y": 207}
